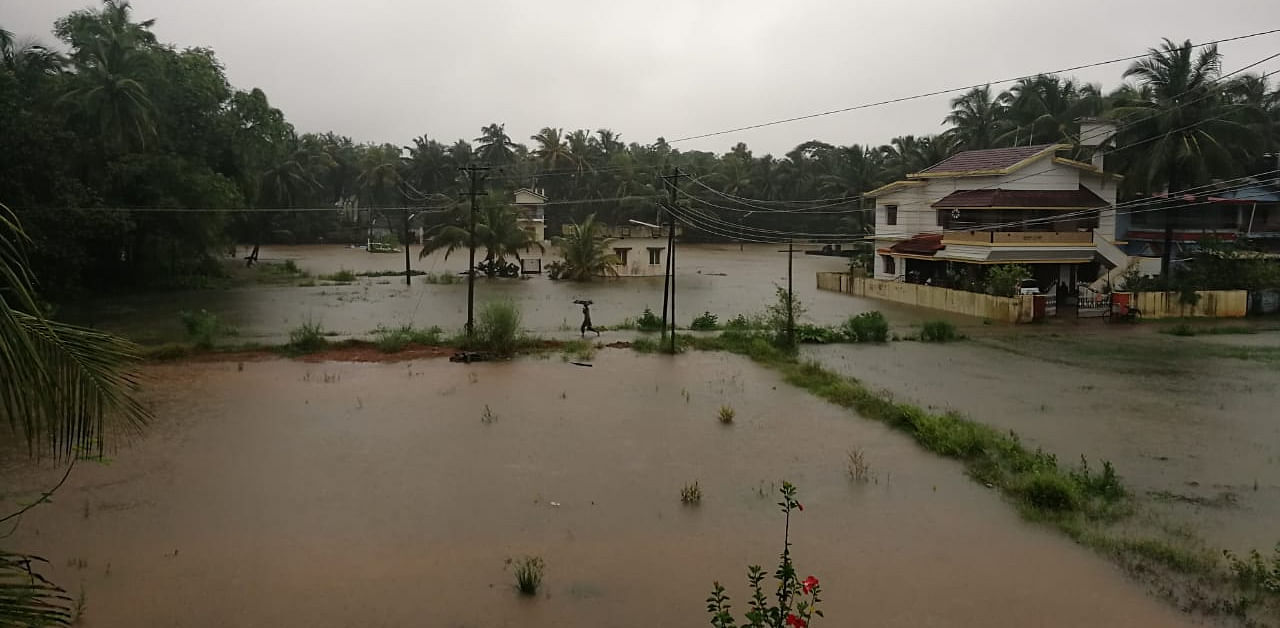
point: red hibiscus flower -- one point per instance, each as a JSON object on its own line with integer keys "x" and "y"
{"x": 796, "y": 622}
{"x": 800, "y": 505}
{"x": 809, "y": 584}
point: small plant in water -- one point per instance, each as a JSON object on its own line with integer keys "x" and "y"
{"x": 691, "y": 494}
{"x": 528, "y": 572}
{"x": 726, "y": 414}
{"x": 857, "y": 466}
{"x": 487, "y": 416}
{"x": 796, "y": 601}
{"x": 938, "y": 331}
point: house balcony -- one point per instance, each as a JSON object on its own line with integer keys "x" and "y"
{"x": 1019, "y": 238}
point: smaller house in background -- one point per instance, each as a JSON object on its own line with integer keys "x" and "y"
{"x": 641, "y": 249}
{"x": 530, "y": 213}
{"x": 1248, "y": 213}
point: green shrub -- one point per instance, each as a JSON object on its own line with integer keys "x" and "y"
{"x": 498, "y": 327}
{"x": 307, "y": 338}
{"x": 1002, "y": 281}
{"x": 1105, "y": 485}
{"x": 815, "y": 334}
{"x": 648, "y": 321}
{"x": 203, "y": 327}
{"x": 741, "y": 322}
{"x": 866, "y": 327}
{"x": 706, "y": 322}
{"x": 785, "y": 310}
{"x": 291, "y": 267}
{"x": 395, "y": 339}
{"x": 938, "y": 331}
{"x": 1049, "y": 492}
{"x": 1254, "y": 572}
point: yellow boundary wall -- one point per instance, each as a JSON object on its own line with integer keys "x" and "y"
{"x": 1006, "y": 309}
{"x": 1211, "y": 304}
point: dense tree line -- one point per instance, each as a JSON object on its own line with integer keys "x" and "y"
{"x": 121, "y": 121}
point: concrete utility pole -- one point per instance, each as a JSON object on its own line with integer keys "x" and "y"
{"x": 669, "y": 284}
{"x": 404, "y": 213}
{"x": 791, "y": 299}
{"x": 474, "y": 174}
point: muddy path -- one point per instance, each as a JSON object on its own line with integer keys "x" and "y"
{"x": 288, "y": 493}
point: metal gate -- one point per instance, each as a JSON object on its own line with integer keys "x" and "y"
{"x": 1092, "y": 304}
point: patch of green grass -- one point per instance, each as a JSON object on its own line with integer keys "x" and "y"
{"x": 442, "y": 278}
{"x": 342, "y": 276}
{"x": 204, "y": 328}
{"x": 306, "y": 338}
{"x": 644, "y": 345}
{"x": 167, "y": 351}
{"x": 726, "y": 414}
{"x": 395, "y": 339}
{"x": 580, "y": 350}
{"x": 528, "y": 572}
{"x": 498, "y": 327}
{"x": 389, "y": 273}
{"x": 938, "y": 331}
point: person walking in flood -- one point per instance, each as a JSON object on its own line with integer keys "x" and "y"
{"x": 586, "y": 318}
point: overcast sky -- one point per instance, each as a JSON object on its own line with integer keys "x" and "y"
{"x": 390, "y": 70}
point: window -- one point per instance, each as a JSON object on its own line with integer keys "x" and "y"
{"x": 655, "y": 255}
{"x": 889, "y": 266}
{"x": 622, "y": 255}
{"x": 890, "y": 214}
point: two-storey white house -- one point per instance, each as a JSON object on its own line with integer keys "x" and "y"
{"x": 1020, "y": 205}
{"x": 530, "y": 213}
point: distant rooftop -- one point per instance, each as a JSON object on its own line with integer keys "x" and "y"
{"x": 992, "y": 160}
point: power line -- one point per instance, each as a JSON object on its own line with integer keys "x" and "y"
{"x": 950, "y": 90}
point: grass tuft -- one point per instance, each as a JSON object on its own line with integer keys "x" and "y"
{"x": 395, "y": 339}
{"x": 342, "y": 276}
{"x": 938, "y": 331}
{"x": 528, "y": 571}
{"x": 691, "y": 494}
{"x": 726, "y": 414}
{"x": 308, "y": 337}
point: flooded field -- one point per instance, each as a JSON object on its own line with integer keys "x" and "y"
{"x": 281, "y": 493}
{"x": 1191, "y": 428}
{"x": 715, "y": 278}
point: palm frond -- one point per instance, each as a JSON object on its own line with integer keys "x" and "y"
{"x": 27, "y": 598}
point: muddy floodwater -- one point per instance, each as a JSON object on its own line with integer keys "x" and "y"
{"x": 1196, "y": 436}
{"x": 716, "y": 278}
{"x": 281, "y": 493}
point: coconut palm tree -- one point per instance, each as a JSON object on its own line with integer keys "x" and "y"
{"x": 65, "y": 390}
{"x": 498, "y": 231}
{"x": 1179, "y": 122}
{"x": 552, "y": 150}
{"x": 108, "y": 89}
{"x": 1046, "y": 109}
{"x": 494, "y": 146}
{"x": 379, "y": 177}
{"x": 978, "y": 118}
{"x": 585, "y": 252}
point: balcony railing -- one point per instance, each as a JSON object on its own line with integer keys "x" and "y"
{"x": 1064, "y": 238}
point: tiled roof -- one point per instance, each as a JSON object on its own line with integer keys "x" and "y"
{"x": 989, "y": 160}
{"x": 920, "y": 244}
{"x": 983, "y": 199}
